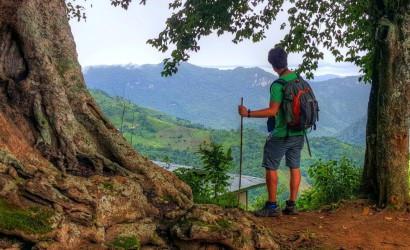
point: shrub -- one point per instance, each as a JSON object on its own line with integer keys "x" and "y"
{"x": 331, "y": 181}
{"x": 209, "y": 185}
{"x": 223, "y": 200}
{"x": 216, "y": 162}
{"x": 196, "y": 179}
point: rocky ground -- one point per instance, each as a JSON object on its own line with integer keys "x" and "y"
{"x": 350, "y": 225}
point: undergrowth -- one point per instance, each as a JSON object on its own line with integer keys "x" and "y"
{"x": 332, "y": 181}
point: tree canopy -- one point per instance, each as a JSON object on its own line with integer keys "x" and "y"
{"x": 313, "y": 26}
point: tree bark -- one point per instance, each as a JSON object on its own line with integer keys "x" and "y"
{"x": 43, "y": 96}
{"x": 387, "y": 137}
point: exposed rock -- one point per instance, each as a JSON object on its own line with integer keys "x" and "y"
{"x": 212, "y": 227}
{"x": 144, "y": 230}
{"x": 95, "y": 212}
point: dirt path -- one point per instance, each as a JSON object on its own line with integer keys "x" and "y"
{"x": 353, "y": 225}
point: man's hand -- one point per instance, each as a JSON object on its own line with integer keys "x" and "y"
{"x": 243, "y": 111}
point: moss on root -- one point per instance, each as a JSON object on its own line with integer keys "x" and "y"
{"x": 34, "y": 220}
{"x": 224, "y": 224}
{"x": 108, "y": 186}
{"x": 125, "y": 243}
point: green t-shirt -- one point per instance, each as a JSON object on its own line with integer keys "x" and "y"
{"x": 276, "y": 95}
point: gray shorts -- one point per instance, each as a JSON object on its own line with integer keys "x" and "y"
{"x": 277, "y": 147}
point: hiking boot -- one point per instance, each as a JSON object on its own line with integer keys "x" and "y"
{"x": 290, "y": 209}
{"x": 268, "y": 211}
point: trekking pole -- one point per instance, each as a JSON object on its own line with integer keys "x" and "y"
{"x": 240, "y": 158}
{"x": 307, "y": 142}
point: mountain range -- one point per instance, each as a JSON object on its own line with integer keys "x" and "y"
{"x": 210, "y": 96}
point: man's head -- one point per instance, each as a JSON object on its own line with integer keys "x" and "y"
{"x": 278, "y": 58}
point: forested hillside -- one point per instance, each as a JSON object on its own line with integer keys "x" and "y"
{"x": 210, "y": 96}
{"x": 355, "y": 133}
{"x": 158, "y": 135}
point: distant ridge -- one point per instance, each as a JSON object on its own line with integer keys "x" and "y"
{"x": 326, "y": 77}
{"x": 355, "y": 133}
{"x": 210, "y": 96}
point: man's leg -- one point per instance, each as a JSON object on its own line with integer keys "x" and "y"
{"x": 293, "y": 162}
{"x": 273, "y": 152}
{"x": 271, "y": 209}
{"x": 272, "y": 184}
{"x": 294, "y": 183}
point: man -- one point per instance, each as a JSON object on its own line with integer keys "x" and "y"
{"x": 280, "y": 142}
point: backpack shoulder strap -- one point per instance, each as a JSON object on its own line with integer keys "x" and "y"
{"x": 301, "y": 79}
{"x": 280, "y": 81}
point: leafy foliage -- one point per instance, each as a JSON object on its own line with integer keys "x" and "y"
{"x": 78, "y": 10}
{"x": 75, "y": 10}
{"x": 209, "y": 185}
{"x": 330, "y": 148}
{"x": 344, "y": 28}
{"x": 332, "y": 25}
{"x": 223, "y": 200}
{"x": 196, "y": 179}
{"x": 216, "y": 164}
{"x": 332, "y": 181}
{"x": 123, "y": 3}
{"x": 312, "y": 26}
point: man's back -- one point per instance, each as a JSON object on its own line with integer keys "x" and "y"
{"x": 276, "y": 95}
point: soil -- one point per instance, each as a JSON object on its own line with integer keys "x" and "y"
{"x": 349, "y": 225}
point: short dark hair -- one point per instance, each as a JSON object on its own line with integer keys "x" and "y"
{"x": 278, "y": 58}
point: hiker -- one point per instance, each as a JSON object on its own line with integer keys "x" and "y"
{"x": 280, "y": 142}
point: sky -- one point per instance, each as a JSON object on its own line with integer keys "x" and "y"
{"x": 112, "y": 36}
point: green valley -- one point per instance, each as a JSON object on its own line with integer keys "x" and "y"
{"x": 160, "y": 136}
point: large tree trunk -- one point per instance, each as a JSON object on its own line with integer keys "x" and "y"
{"x": 387, "y": 139}
{"x": 44, "y": 97}
{"x": 68, "y": 178}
